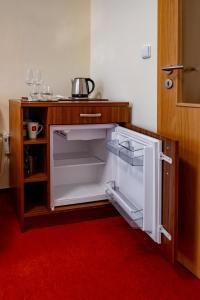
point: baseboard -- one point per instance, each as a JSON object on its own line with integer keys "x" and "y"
{"x": 188, "y": 264}
{"x": 6, "y": 187}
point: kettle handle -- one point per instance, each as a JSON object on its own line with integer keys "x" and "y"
{"x": 93, "y": 85}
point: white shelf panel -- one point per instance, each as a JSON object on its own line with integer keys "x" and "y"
{"x": 82, "y": 134}
{"x": 60, "y": 156}
{"x": 76, "y": 159}
{"x": 78, "y": 193}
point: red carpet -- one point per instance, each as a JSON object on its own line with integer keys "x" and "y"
{"x": 92, "y": 260}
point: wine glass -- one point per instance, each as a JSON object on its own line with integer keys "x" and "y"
{"x": 29, "y": 77}
{"x": 34, "y": 80}
{"x": 37, "y": 81}
{"x": 29, "y": 80}
{"x": 37, "y": 77}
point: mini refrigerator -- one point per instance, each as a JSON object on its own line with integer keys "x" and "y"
{"x": 106, "y": 161}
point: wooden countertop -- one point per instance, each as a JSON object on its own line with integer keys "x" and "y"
{"x": 90, "y": 102}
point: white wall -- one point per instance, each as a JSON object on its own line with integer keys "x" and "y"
{"x": 118, "y": 31}
{"x": 53, "y": 35}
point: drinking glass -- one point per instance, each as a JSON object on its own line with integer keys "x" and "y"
{"x": 35, "y": 92}
{"x": 46, "y": 92}
{"x": 29, "y": 77}
{"x": 34, "y": 79}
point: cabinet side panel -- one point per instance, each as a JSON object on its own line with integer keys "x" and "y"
{"x": 170, "y": 199}
{"x": 48, "y": 160}
{"x": 169, "y": 192}
{"x": 16, "y": 156}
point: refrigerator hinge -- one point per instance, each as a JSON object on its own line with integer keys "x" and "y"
{"x": 165, "y": 232}
{"x": 165, "y": 158}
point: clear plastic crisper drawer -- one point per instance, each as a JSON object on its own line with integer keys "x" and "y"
{"x": 128, "y": 152}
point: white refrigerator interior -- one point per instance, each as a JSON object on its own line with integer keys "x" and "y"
{"x": 105, "y": 161}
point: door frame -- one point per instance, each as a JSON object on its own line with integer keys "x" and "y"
{"x": 170, "y": 185}
{"x": 168, "y": 21}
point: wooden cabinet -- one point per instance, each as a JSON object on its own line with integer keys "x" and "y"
{"x": 32, "y": 187}
{"x": 32, "y": 190}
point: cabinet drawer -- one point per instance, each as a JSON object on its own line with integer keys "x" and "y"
{"x": 89, "y": 115}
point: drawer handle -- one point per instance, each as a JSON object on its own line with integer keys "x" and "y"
{"x": 90, "y": 115}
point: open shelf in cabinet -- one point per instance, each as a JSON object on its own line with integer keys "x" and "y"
{"x": 35, "y": 163}
{"x": 36, "y": 177}
{"x": 35, "y": 197}
{"x": 39, "y": 115}
{"x": 38, "y": 141}
{"x": 38, "y": 210}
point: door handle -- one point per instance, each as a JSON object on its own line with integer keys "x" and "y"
{"x": 90, "y": 115}
{"x": 170, "y": 68}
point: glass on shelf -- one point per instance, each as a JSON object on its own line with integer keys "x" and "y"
{"x": 35, "y": 93}
{"x": 46, "y": 92}
{"x": 33, "y": 80}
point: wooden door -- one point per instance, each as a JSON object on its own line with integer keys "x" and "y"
{"x": 179, "y": 114}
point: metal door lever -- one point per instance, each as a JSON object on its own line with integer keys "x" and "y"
{"x": 169, "y": 69}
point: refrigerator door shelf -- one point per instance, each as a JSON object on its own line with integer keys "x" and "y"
{"x": 132, "y": 214}
{"x": 128, "y": 154}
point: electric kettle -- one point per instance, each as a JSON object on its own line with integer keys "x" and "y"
{"x": 81, "y": 88}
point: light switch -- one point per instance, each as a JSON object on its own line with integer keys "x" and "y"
{"x": 146, "y": 51}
